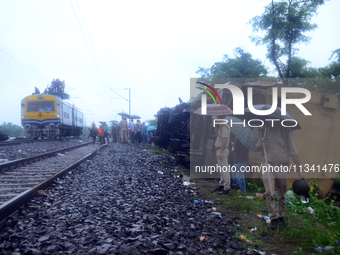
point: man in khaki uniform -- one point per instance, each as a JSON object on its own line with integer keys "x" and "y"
{"x": 138, "y": 131}
{"x": 123, "y": 130}
{"x": 279, "y": 143}
{"x": 222, "y": 152}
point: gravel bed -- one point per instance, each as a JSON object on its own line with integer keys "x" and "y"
{"x": 41, "y": 169}
{"x": 23, "y": 150}
{"x": 123, "y": 201}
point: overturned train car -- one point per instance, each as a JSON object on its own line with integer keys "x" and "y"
{"x": 318, "y": 143}
{"x": 173, "y": 129}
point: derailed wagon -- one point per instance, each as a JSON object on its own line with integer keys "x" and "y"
{"x": 318, "y": 143}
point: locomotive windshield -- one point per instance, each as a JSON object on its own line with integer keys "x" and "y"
{"x": 46, "y": 106}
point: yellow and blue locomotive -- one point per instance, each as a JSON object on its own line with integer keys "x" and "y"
{"x": 49, "y": 115}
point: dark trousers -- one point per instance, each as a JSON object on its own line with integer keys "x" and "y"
{"x": 94, "y": 139}
{"x": 139, "y": 136}
{"x": 101, "y": 139}
{"x": 106, "y": 135}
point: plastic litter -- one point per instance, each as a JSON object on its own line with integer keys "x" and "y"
{"x": 3, "y": 160}
{"x": 324, "y": 248}
{"x": 253, "y": 229}
{"x": 19, "y": 150}
{"x": 214, "y": 208}
{"x": 202, "y": 238}
{"x": 187, "y": 183}
{"x": 243, "y": 237}
{"x": 41, "y": 191}
{"x": 207, "y": 201}
{"x": 288, "y": 202}
{"x": 311, "y": 210}
{"x": 59, "y": 154}
{"x": 260, "y": 252}
{"x": 249, "y": 197}
{"x": 160, "y": 172}
{"x": 216, "y": 213}
{"x": 264, "y": 217}
{"x": 290, "y": 194}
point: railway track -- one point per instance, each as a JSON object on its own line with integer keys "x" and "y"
{"x": 27, "y": 140}
{"x": 21, "y": 179}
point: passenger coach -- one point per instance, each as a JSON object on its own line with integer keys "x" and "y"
{"x": 44, "y": 115}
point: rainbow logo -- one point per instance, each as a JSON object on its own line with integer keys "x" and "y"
{"x": 213, "y": 90}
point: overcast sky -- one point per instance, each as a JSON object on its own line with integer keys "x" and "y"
{"x": 152, "y": 47}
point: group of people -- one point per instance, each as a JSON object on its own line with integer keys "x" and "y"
{"x": 102, "y": 132}
{"x": 123, "y": 132}
{"x": 133, "y": 132}
{"x": 280, "y": 146}
{"x": 57, "y": 87}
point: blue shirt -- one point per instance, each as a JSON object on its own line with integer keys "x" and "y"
{"x": 132, "y": 126}
{"x": 144, "y": 130}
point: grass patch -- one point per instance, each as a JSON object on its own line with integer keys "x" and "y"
{"x": 304, "y": 231}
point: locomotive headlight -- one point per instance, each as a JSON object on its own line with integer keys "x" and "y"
{"x": 22, "y": 117}
{"x": 58, "y": 116}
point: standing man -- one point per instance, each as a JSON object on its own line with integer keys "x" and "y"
{"x": 114, "y": 132}
{"x": 240, "y": 154}
{"x": 144, "y": 132}
{"x": 93, "y": 133}
{"x": 132, "y": 131}
{"x": 106, "y": 133}
{"x": 101, "y": 134}
{"x": 279, "y": 145}
{"x": 123, "y": 130}
{"x": 138, "y": 131}
{"x": 222, "y": 152}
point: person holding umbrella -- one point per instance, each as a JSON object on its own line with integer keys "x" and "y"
{"x": 222, "y": 152}
{"x": 240, "y": 155}
{"x": 277, "y": 144}
{"x": 221, "y": 143}
{"x": 244, "y": 141}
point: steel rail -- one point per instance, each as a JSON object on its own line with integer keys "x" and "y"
{"x": 15, "y": 203}
{"x": 24, "y": 140}
{"x": 22, "y": 161}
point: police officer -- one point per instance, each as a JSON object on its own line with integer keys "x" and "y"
{"x": 123, "y": 130}
{"x": 222, "y": 152}
{"x": 279, "y": 145}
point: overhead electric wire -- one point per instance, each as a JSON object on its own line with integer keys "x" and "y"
{"x": 88, "y": 46}
{"x": 88, "y": 35}
{"x": 25, "y": 65}
{"x": 93, "y": 52}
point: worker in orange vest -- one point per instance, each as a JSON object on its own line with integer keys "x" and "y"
{"x": 101, "y": 134}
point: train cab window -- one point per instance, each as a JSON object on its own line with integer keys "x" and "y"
{"x": 46, "y": 106}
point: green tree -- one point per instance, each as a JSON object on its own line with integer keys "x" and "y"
{"x": 285, "y": 24}
{"x": 152, "y": 122}
{"x": 242, "y": 66}
{"x": 11, "y": 130}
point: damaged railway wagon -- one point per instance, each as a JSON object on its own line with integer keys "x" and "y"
{"x": 318, "y": 142}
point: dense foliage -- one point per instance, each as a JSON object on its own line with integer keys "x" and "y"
{"x": 11, "y": 129}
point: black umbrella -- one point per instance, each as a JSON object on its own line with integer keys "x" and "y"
{"x": 132, "y": 116}
{"x": 290, "y": 120}
{"x": 124, "y": 114}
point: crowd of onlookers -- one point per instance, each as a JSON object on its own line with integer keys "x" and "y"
{"x": 123, "y": 132}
